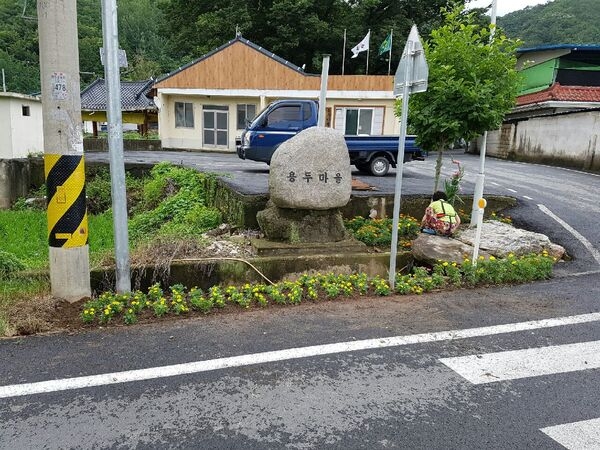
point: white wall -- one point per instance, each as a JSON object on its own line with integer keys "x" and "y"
{"x": 568, "y": 139}
{"x": 5, "y": 129}
{"x": 20, "y": 135}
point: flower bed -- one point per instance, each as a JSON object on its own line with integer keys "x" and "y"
{"x": 178, "y": 300}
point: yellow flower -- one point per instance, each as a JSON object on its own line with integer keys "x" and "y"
{"x": 445, "y": 263}
{"x": 481, "y": 258}
{"x": 130, "y": 311}
{"x": 492, "y": 258}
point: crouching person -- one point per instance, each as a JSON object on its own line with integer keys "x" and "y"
{"x": 440, "y": 217}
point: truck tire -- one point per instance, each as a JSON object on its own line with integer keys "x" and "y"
{"x": 379, "y": 166}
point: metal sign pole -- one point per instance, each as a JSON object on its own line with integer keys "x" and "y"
{"x": 323, "y": 93}
{"x": 115, "y": 145}
{"x": 400, "y": 163}
{"x": 412, "y": 75}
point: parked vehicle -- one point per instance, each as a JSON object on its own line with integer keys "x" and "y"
{"x": 283, "y": 119}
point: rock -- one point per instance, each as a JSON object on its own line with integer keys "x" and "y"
{"x": 300, "y": 226}
{"x": 36, "y": 202}
{"x": 500, "y": 239}
{"x": 430, "y": 249}
{"x": 222, "y": 229}
{"x": 311, "y": 171}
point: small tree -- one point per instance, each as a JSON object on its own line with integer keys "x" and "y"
{"x": 473, "y": 83}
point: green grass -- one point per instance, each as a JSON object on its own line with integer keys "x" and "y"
{"x": 24, "y": 234}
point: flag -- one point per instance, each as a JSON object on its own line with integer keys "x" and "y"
{"x": 362, "y": 45}
{"x": 386, "y": 45}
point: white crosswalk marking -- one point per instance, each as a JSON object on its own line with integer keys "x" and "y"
{"x": 531, "y": 362}
{"x": 576, "y": 435}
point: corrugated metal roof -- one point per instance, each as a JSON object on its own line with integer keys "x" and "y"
{"x": 556, "y": 92}
{"x": 572, "y": 47}
{"x": 133, "y": 96}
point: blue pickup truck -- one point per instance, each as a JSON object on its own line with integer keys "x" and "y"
{"x": 283, "y": 119}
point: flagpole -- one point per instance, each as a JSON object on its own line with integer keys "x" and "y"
{"x": 390, "y": 57}
{"x": 368, "y": 49}
{"x": 344, "y": 53}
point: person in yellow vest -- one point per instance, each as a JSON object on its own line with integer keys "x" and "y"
{"x": 440, "y": 217}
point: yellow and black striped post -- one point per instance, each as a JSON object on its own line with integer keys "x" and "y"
{"x": 68, "y": 251}
{"x": 67, "y": 213}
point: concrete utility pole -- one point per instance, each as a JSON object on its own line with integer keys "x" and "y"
{"x": 63, "y": 149}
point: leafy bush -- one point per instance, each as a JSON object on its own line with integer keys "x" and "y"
{"x": 378, "y": 232}
{"x": 97, "y": 190}
{"x": 9, "y": 264}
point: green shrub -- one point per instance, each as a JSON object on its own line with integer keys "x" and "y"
{"x": 174, "y": 202}
{"x": 9, "y": 264}
{"x": 97, "y": 190}
{"x": 378, "y": 232}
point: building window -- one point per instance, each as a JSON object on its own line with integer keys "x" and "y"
{"x": 215, "y": 125}
{"x": 25, "y": 110}
{"x": 245, "y": 113}
{"x": 359, "y": 121}
{"x": 184, "y": 115}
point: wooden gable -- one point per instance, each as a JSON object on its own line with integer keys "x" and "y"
{"x": 239, "y": 65}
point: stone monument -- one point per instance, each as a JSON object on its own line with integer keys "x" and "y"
{"x": 309, "y": 180}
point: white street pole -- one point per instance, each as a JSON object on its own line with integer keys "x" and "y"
{"x": 390, "y": 52}
{"x": 115, "y": 145}
{"x": 479, "y": 182}
{"x": 399, "y": 163}
{"x": 368, "y": 48}
{"x": 344, "y": 53}
{"x": 323, "y": 93}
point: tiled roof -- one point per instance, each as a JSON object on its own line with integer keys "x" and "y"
{"x": 133, "y": 96}
{"x": 559, "y": 93}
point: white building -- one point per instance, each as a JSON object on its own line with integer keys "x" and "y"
{"x": 21, "y": 125}
{"x": 205, "y": 104}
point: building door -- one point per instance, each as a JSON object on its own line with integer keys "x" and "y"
{"x": 215, "y": 126}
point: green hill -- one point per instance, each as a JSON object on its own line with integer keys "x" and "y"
{"x": 556, "y": 22}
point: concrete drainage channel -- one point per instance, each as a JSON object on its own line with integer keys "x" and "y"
{"x": 277, "y": 261}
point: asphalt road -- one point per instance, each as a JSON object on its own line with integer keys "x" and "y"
{"x": 340, "y": 380}
{"x": 503, "y": 368}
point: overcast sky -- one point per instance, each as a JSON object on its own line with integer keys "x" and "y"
{"x": 506, "y": 6}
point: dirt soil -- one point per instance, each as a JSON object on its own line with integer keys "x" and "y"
{"x": 47, "y": 314}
